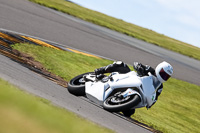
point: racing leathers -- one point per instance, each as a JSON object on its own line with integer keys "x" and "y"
{"x": 117, "y": 66}
{"x": 121, "y": 67}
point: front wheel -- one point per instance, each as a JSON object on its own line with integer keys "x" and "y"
{"x": 116, "y": 104}
{"x": 76, "y": 86}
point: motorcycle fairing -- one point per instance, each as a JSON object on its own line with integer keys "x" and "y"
{"x": 125, "y": 80}
{"x": 95, "y": 91}
{"x": 149, "y": 90}
{"x": 99, "y": 91}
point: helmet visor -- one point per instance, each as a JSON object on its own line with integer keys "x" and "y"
{"x": 164, "y": 75}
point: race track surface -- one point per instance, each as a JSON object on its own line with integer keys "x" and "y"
{"x": 29, "y": 18}
{"x": 25, "y": 17}
{"x": 36, "y": 84}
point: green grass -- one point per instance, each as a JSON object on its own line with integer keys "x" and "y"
{"x": 122, "y": 26}
{"x": 62, "y": 63}
{"x": 177, "y": 109}
{"x": 23, "y": 113}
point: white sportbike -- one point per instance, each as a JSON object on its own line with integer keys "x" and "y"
{"x": 116, "y": 92}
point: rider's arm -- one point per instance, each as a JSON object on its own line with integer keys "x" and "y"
{"x": 143, "y": 70}
{"x": 159, "y": 90}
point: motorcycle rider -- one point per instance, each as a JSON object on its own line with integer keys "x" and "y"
{"x": 162, "y": 73}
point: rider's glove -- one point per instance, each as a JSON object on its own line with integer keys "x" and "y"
{"x": 138, "y": 67}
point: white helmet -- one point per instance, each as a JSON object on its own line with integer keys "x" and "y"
{"x": 164, "y": 71}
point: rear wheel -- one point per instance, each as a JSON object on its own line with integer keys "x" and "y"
{"x": 116, "y": 103}
{"x": 76, "y": 86}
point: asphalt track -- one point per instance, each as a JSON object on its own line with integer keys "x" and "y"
{"x": 29, "y": 18}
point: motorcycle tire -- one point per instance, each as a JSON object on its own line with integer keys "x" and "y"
{"x": 128, "y": 113}
{"x": 76, "y": 86}
{"x": 111, "y": 106}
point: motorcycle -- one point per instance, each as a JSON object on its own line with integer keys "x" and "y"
{"x": 116, "y": 92}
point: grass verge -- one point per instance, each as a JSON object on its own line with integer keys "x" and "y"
{"x": 177, "y": 109}
{"x": 122, "y": 26}
{"x": 23, "y": 113}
